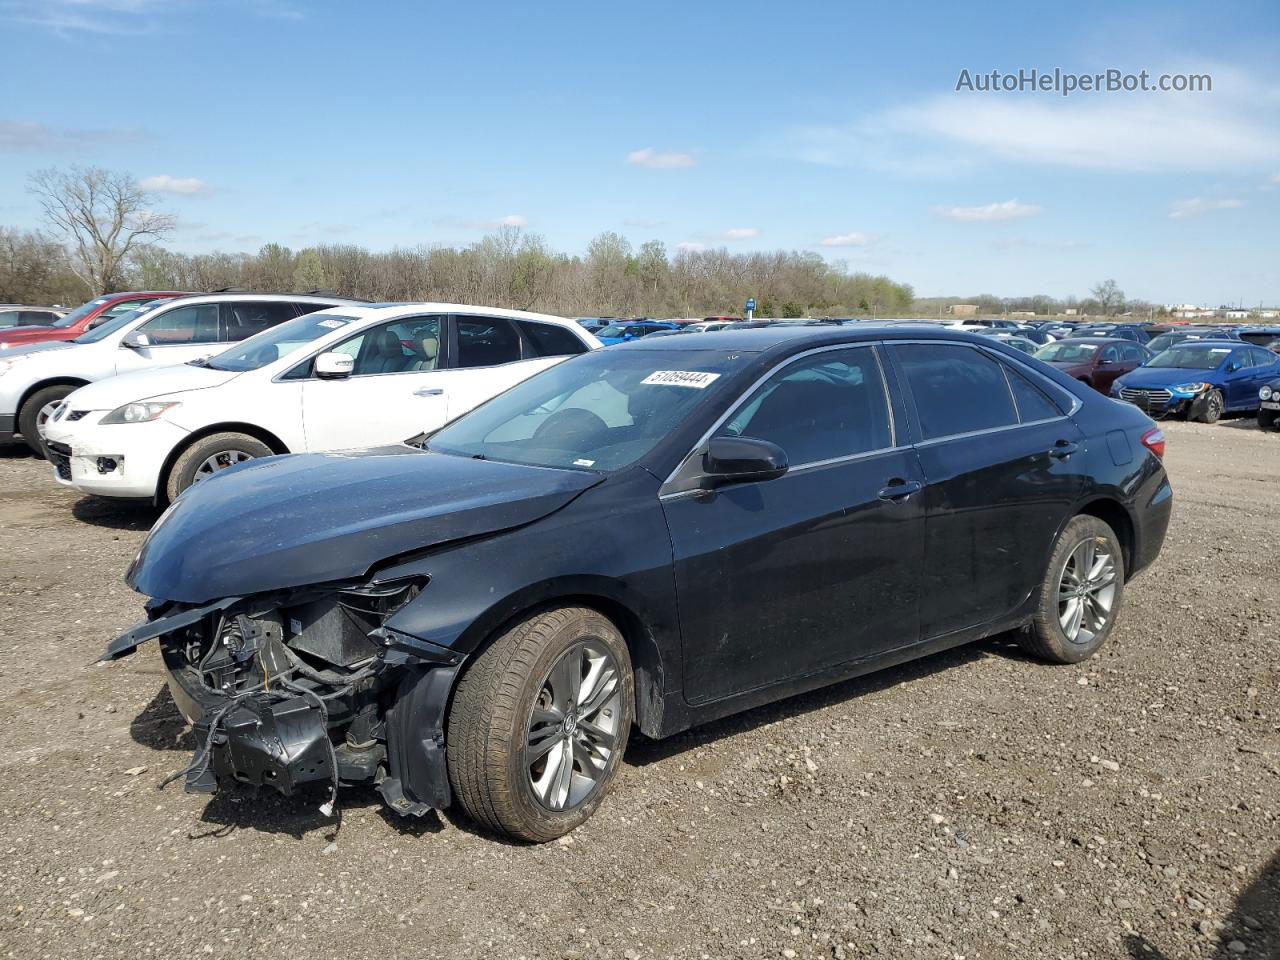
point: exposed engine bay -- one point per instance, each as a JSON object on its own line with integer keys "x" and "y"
{"x": 297, "y": 687}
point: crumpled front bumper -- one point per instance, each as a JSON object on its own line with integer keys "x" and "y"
{"x": 256, "y": 740}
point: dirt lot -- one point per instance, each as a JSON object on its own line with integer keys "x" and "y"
{"x": 976, "y": 804}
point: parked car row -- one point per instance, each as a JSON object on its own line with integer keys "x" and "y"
{"x": 154, "y": 399}
{"x": 480, "y": 616}
{"x": 14, "y": 315}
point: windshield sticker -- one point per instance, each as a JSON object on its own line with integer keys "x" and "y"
{"x": 682, "y": 378}
{"x": 332, "y": 324}
{"x": 1219, "y": 349}
{"x": 584, "y": 463}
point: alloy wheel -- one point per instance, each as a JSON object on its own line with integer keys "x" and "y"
{"x": 1087, "y": 590}
{"x": 220, "y": 461}
{"x": 573, "y": 726}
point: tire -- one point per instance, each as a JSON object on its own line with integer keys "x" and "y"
{"x": 492, "y": 724}
{"x": 1268, "y": 420}
{"x": 1047, "y": 637}
{"x": 29, "y": 415}
{"x": 227, "y": 448}
{"x": 1209, "y": 408}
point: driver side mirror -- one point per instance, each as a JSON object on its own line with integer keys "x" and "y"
{"x": 334, "y": 366}
{"x": 135, "y": 340}
{"x": 1233, "y": 366}
{"x": 98, "y": 321}
{"x": 740, "y": 460}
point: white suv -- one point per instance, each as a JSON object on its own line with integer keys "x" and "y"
{"x": 354, "y": 376}
{"x": 35, "y": 378}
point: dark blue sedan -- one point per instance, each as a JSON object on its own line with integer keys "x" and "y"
{"x": 1200, "y": 379}
{"x": 623, "y": 332}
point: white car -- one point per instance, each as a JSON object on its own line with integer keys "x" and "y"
{"x": 34, "y": 379}
{"x": 353, "y": 376}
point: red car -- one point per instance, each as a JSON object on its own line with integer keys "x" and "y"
{"x": 83, "y": 318}
{"x": 1096, "y": 361}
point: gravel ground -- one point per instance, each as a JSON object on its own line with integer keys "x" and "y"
{"x": 976, "y": 804}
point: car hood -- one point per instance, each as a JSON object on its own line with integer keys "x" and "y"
{"x": 290, "y": 521}
{"x": 1072, "y": 367}
{"x": 1165, "y": 376}
{"x": 34, "y": 334}
{"x": 116, "y": 391}
{"x": 45, "y": 346}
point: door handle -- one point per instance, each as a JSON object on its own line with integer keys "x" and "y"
{"x": 429, "y": 392}
{"x": 1063, "y": 449}
{"x": 899, "y": 490}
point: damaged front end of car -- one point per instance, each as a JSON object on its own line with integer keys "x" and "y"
{"x": 304, "y": 686}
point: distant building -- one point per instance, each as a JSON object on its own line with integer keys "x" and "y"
{"x": 1071, "y": 311}
{"x": 1236, "y": 314}
{"x": 963, "y": 309}
{"x": 1022, "y": 313}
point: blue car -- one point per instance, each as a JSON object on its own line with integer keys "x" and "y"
{"x": 1200, "y": 379}
{"x": 623, "y": 332}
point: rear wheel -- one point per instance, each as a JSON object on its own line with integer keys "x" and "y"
{"x": 38, "y": 408}
{"x": 210, "y": 455}
{"x": 1209, "y": 408}
{"x": 539, "y": 723}
{"x": 1080, "y": 594}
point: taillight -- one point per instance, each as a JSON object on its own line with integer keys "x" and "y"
{"x": 1153, "y": 440}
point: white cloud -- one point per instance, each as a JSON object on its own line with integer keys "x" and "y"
{"x": 741, "y": 233}
{"x": 1198, "y": 205}
{"x": 18, "y": 135}
{"x": 647, "y": 224}
{"x": 513, "y": 220}
{"x": 163, "y": 183}
{"x": 691, "y": 247}
{"x": 656, "y": 160}
{"x": 1235, "y": 128}
{"x": 853, "y": 239}
{"x": 991, "y": 212}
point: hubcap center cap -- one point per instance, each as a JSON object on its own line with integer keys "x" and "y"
{"x": 570, "y": 724}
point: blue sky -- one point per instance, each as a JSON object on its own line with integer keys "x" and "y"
{"x": 832, "y": 127}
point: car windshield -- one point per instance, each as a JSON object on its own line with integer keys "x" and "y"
{"x": 1191, "y": 356}
{"x": 1066, "y": 352}
{"x": 597, "y": 411}
{"x": 610, "y": 331}
{"x": 279, "y": 341}
{"x": 79, "y": 313}
{"x": 108, "y": 327}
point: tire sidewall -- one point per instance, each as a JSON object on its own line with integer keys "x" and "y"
{"x": 1079, "y": 529}
{"x": 182, "y": 474}
{"x": 31, "y": 411}
{"x": 541, "y": 822}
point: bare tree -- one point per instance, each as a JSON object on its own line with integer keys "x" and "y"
{"x": 103, "y": 216}
{"x": 1109, "y": 296}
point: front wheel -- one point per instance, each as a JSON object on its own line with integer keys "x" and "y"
{"x": 539, "y": 723}
{"x": 210, "y": 455}
{"x": 39, "y": 407}
{"x": 1209, "y": 408}
{"x": 1268, "y": 420}
{"x": 1080, "y": 594}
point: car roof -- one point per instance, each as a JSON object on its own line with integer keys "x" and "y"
{"x": 761, "y": 339}
{"x": 370, "y": 311}
{"x": 1210, "y": 342}
{"x": 1107, "y": 340}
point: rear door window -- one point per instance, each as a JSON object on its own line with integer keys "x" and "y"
{"x": 486, "y": 341}
{"x": 244, "y": 319}
{"x": 956, "y": 389}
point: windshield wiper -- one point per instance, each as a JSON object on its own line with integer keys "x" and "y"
{"x": 199, "y": 362}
